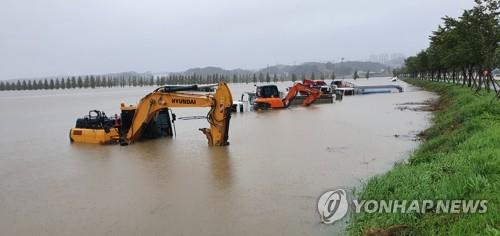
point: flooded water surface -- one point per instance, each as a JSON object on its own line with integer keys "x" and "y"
{"x": 266, "y": 182}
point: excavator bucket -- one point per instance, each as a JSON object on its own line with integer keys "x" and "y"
{"x": 219, "y": 117}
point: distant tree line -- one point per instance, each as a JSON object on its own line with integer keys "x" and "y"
{"x": 463, "y": 50}
{"x": 103, "y": 81}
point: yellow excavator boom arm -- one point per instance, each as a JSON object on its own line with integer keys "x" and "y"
{"x": 218, "y": 116}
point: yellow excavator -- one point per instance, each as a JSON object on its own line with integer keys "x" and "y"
{"x": 152, "y": 116}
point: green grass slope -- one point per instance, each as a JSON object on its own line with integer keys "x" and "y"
{"x": 459, "y": 159}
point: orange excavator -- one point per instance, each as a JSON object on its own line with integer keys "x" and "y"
{"x": 268, "y": 96}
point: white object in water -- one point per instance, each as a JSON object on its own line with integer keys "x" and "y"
{"x": 394, "y": 79}
{"x": 238, "y": 107}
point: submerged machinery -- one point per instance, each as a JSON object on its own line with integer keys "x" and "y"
{"x": 268, "y": 96}
{"x": 152, "y": 117}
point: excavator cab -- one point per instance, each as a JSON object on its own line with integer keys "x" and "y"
{"x": 267, "y": 97}
{"x": 160, "y": 124}
{"x": 268, "y": 91}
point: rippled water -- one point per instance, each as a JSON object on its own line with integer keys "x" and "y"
{"x": 266, "y": 182}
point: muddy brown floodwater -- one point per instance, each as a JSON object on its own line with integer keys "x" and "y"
{"x": 266, "y": 182}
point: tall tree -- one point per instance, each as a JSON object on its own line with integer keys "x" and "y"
{"x": 461, "y": 48}
{"x": 45, "y": 84}
{"x": 86, "y": 82}
{"x": 92, "y": 82}
{"x": 261, "y": 77}
{"x": 51, "y": 84}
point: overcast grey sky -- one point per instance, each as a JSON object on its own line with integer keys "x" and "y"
{"x": 67, "y": 37}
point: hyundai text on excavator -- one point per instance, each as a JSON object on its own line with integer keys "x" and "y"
{"x": 268, "y": 96}
{"x": 151, "y": 118}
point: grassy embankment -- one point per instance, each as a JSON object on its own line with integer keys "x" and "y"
{"x": 459, "y": 159}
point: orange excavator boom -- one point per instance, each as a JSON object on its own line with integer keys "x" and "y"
{"x": 298, "y": 87}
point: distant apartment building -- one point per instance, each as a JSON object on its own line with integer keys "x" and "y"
{"x": 392, "y": 60}
{"x": 380, "y": 58}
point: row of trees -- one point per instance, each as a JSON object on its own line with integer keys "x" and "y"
{"x": 462, "y": 50}
{"x": 134, "y": 81}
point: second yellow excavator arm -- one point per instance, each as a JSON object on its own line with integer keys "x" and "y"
{"x": 219, "y": 115}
